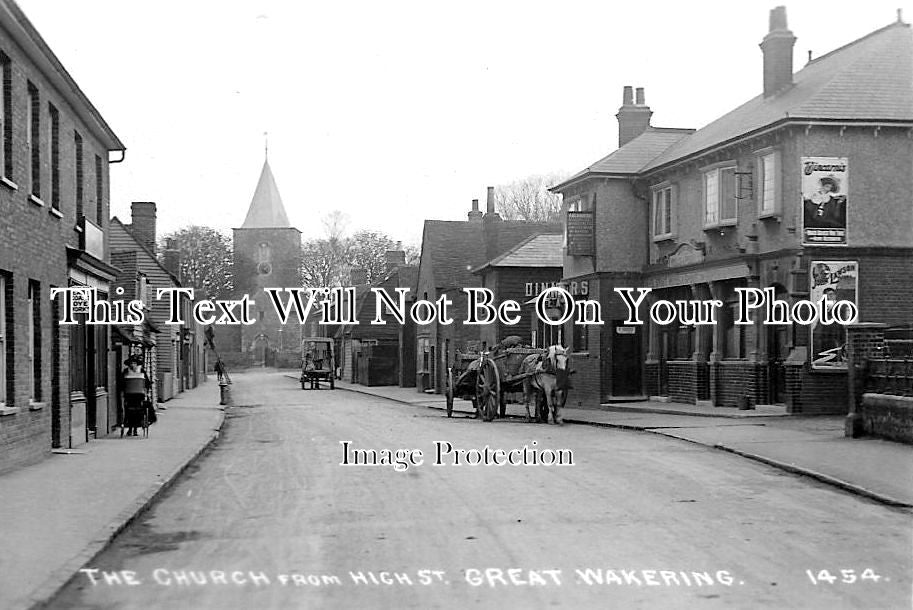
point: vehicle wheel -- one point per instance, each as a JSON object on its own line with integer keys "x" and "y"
{"x": 448, "y": 392}
{"x": 488, "y": 389}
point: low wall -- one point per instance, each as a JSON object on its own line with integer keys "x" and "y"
{"x": 888, "y": 416}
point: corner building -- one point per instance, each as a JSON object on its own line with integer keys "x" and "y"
{"x": 803, "y": 190}
{"x": 56, "y": 382}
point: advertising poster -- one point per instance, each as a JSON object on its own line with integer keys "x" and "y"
{"x": 824, "y": 200}
{"x": 834, "y": 281}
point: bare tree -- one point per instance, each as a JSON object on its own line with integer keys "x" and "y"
{"x": 529, "y": 198}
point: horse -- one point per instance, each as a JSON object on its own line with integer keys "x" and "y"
{"x": 549, "y": 375}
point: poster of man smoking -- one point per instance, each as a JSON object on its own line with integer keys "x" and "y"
{"x": 824, "y": 200}
{"x": 833, "y": 281}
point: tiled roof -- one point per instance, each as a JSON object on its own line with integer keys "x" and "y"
{"x": 266, "y": 210}
{"x": 870, "y": 79}
{"x": 542, "y": 250}
{"x": 457, "y": 247}
{"x": 633, "y": 156}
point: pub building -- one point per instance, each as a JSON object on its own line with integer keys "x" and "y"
{"x": 803, "y": 190}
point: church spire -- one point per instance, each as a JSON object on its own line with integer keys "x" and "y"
{"x": 266, "y": 210}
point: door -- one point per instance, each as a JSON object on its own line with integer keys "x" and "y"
{"x": 626, "y": 363}
{"x": 777, "y": 352}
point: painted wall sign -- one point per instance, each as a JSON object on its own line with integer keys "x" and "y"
{"x": 825, "y": 188}
{"x": 581, "y": 234}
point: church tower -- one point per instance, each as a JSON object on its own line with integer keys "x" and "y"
{"x": 267, "y": 253}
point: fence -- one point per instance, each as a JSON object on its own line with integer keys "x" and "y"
{"x": 891, "y": 370}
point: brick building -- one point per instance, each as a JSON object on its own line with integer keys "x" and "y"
{"x": 451, "y": 250}
{"x": 803, "y": 191}
{"x": 55, "y": 381}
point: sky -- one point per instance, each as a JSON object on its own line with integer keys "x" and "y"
{"x": 394, "y": 112}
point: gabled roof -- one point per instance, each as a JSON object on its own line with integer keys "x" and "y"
{"x": 542, "y": 250}
{"x": 128, "y": 231}
{"x": 633, "y": 156}
{"x": 456, "y": 247}
{"x": 870, "y": 79}
{"x": 266, "y": 210}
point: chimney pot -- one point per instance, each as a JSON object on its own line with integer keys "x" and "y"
{"x": 474, "y": 214}
{"x": 633, "y": 120}
{"x": 778, "y": 18}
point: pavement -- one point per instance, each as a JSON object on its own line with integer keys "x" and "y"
{"x": 812, "y": 446}
{"x": 61, "y": 512}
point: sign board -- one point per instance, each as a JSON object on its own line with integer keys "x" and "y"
{"x": 825, "y": 184}
{"x": 833, "y": 281}
{"x": 581, "y": 237}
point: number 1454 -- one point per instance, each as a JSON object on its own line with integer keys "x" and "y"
{"x": 846, "y": 576}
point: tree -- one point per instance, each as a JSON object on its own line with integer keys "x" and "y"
{"x": 367, "y": 250}
{"x": 328, "y": 260}
{"x": 529, "y": 199}
{"x": 206, "y": 260}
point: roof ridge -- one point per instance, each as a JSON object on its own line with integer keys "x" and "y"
{"x": 857, "y": 41}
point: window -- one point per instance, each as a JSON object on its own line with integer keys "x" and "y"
{"x": 54, "y": 154}
{"x": 99, "y": 192}
{"x": 7, "y": 100}
{"x": 4, "y": 375}
{"x": 719, "y": 196}
{"x": 34, "y": 347}
{"x": 77, "y": 139}
{"x": 769, "y": 168}
{"x": 33, "y": 126}
{"x": 662, "y": 213}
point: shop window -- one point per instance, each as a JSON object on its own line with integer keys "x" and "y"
{"x": 663, "y": 201}
{"x": 99, "y": 192}
{"x": 720, "y": 197}
{"x": 34, "y": 340}
{"x": 580, "y": 338}
{"x": 769, "y": 180}
{"x": 677, "y": 342}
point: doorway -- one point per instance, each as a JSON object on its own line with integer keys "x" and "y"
{"x": 626, "y": 361}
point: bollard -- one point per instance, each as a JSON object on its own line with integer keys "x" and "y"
{"x": 224, "y": 393}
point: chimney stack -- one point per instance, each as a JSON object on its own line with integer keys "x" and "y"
{"x": 777, "y": 47}
{"x": 490, "y": 201}
{"x": 394, "y": 258}
{"x": 143, "y": 223}
{"x": 633, "y": 117}
{"x": 475, "y": 215}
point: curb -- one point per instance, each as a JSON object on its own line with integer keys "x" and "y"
{"x": 47, "y": 590}
{"x": 791, "y": 468}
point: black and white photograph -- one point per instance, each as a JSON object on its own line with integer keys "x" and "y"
{"x": 424, "y": 305}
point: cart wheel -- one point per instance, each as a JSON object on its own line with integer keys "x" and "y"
{"x": 448, "y": 392}
{"x": 488, "y": 389}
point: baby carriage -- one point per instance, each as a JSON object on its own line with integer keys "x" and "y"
{"x": 139, "y": 412}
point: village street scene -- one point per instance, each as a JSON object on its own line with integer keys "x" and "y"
{"x": 676, "y": 372}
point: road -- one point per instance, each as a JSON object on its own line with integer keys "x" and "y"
{"x": 269, "y": 518}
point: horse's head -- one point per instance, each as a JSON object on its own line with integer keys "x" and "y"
{"x": 559, "y": 364}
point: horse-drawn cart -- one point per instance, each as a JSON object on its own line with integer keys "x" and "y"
{"x": 485, "y": 377}
{"x": 318, "y": 363}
